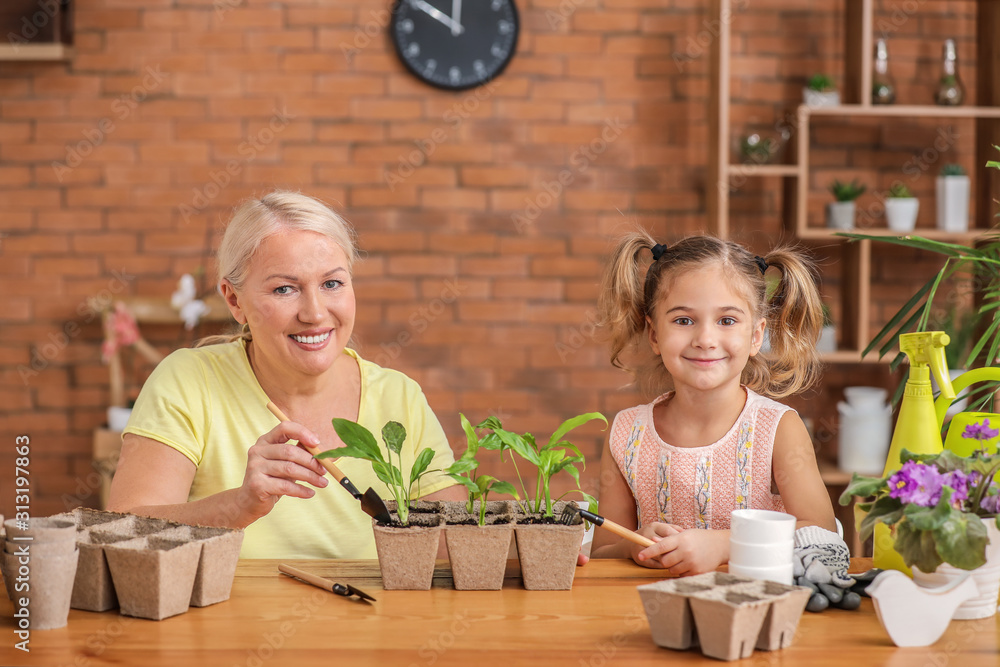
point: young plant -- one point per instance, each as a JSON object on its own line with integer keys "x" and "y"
{"x": 953, "y": 170}
{"x": 463, "y": 471}
{"x": 359, "y": 443}
{"x": 556, "y": 456}
{"x": 900, "y": 191}
{"x": 847, "y": 191}
{"x": 820, "y": 82}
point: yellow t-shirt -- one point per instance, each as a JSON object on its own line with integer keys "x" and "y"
{"x": 207, "y": 404}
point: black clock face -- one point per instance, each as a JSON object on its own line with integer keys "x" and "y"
{"x": 454, "y": 44}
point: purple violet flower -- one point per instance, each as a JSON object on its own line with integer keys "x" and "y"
{"x": 917, "y": 484}
{"x": 961, "y": 484}
{"x": 991, "y": 503}
{"x": 980, "y": 431}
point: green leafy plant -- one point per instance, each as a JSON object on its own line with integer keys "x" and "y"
{"x": 847, "y": 191}
{"x": 359, "y": 443}
{"x": 463, "y": 471}
{"x": 933, "y": 504}
{"x": 953, "y": 169}
{"x": 977, "y": 266}
{"x": 960, "y": 327}
{"x": 556, "y": 456}
{"x": 900, "y": 191}
{"x": 759, "y": 149}
{"x": 820, "y": 82}
{"x": 827, "y": 316}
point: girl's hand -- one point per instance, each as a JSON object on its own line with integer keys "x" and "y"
{"x": 274, "y": 466}
{"x": 655, "y": 532}
{"x": 688, "y": 551}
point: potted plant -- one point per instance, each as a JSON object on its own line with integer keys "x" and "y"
{"x": 546, "y": 547}
{"x": 828, "y": 335}
{"x": 820, "y": 92}
{"x": 757, "y": 149}
{"x": 952, "y": 189}
{"x": 840, "y": 214}
{"x": 408, "y": 547}
{"x": 478, "y": 552}
{"x": 901, "y": 209}
{"x": 942, "y": 509}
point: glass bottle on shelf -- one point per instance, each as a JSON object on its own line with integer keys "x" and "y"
{"x": 883, "y": 87}
{"x": 950, "y": 91}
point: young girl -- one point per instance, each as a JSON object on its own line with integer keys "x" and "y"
{"x": 674, "y": 469}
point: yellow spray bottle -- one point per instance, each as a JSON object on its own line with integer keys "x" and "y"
{"x": 917, "y": 426}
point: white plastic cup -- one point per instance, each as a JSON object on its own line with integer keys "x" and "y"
{"x": 760, "y": 555}
{"x": 761, "y": 527}
{"x": 781, "y": 574}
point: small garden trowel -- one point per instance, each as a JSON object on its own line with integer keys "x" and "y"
{"x": 371, "y": 503}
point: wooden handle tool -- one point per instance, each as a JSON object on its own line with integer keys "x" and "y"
{"x": 616, "y": 528}
{"x": 340, "y": 589}
{"x": 326, "y": 463}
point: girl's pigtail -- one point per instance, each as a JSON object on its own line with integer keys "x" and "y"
{"x": 794, "y": 324}
{"x": 621, "y": 303}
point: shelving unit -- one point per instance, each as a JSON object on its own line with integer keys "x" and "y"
{"x": 856, "y": 275}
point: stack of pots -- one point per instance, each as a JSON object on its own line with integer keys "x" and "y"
{"x": 39, "y": 566}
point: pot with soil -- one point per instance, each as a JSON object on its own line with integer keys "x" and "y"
{"x": 407, "y": 553}
{"x": 548, "y": 540}
{"x": 478, "y": 552}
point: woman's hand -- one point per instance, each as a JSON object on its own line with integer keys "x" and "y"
{"x": 685, "y": 552}
{"x": 275, "y": 467}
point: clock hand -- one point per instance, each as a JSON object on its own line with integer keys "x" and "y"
{"x": 456, "y": 16}
{"x": 437, "y": 14}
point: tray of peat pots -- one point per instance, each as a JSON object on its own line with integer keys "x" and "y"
{"x": 407, "y": 547}
{"x": 479, "y": 530}
{"x": 547, "y": 546}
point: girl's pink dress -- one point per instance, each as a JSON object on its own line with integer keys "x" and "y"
{"x": 698, "y": 487}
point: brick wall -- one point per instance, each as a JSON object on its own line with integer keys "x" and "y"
{"x": 118, "y": 168}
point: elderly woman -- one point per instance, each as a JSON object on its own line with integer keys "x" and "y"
{"x": 193, "y": 452}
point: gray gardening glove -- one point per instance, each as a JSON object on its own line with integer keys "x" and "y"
{"x": 820, "y": 562}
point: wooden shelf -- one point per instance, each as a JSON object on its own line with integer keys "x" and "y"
{"x": 831, "y": 474}
{"x": 825, "y": 233}
{"x": 35, "y": 52}
{"x": 902, "y": 110}
{"x": 151, "y": 310}
{"x": 763, "y": 170}
{"x": 852, "y": 357}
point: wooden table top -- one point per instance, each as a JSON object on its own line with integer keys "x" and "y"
{"x": 272, "y": 619}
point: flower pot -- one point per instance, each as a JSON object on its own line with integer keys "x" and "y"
{"x": 406, "y": 554}
{"x": 986, "y": 576}
{"x": 901, "y": 213}
{"x": 816, "y": 98}
{"x": 827, "y": 339}
{"x": 50, "y": 586}
{"x": 153, "y": 577}
{"x": 953, "y": 203}
{"x": 478, "y": 554}
{"x": 840, "y": 215}
{"x": 548, "y": 551}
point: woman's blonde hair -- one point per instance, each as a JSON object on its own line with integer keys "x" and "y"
{"x": 793, "y": 310}
{"x": 254, "y": 220}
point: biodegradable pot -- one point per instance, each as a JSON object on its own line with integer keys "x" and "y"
{"x": 840, "y": 215}
{"x": 153, "y": 577}
{"x": 901, "y": 213}
{"x": 94, "y": 589}
{"x": 729, "y": 622}
{"x": 51, "y": 587}
{"x": 669, "y": 612}
{"x": 40, "y": 530}
{"x": 787, "y": 605}
{"x": 406, "y": 554}
{"x": 548, "y": 554}
{"x": 478, "y": 554}
{"x": 952, "y": 203}
{"x": 220, "y": 552}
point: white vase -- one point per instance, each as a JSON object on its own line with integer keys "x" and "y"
{"x": 986, "y": 576}
{"x": 840, "y": 215}
{"x": 901, "y": 213}
{"x": 953, "y": 203}
{"x": 827, "y": 339}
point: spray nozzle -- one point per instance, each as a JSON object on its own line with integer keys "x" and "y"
{"x": 925, "y": 349}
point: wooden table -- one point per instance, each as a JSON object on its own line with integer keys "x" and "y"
{"x": 275, "y": 620}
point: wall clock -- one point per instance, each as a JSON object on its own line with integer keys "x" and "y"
{"x": 454, "y": 44}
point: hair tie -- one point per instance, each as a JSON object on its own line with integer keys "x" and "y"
{"x": 761, "y": 264}
{"x": 658, "y": 251}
